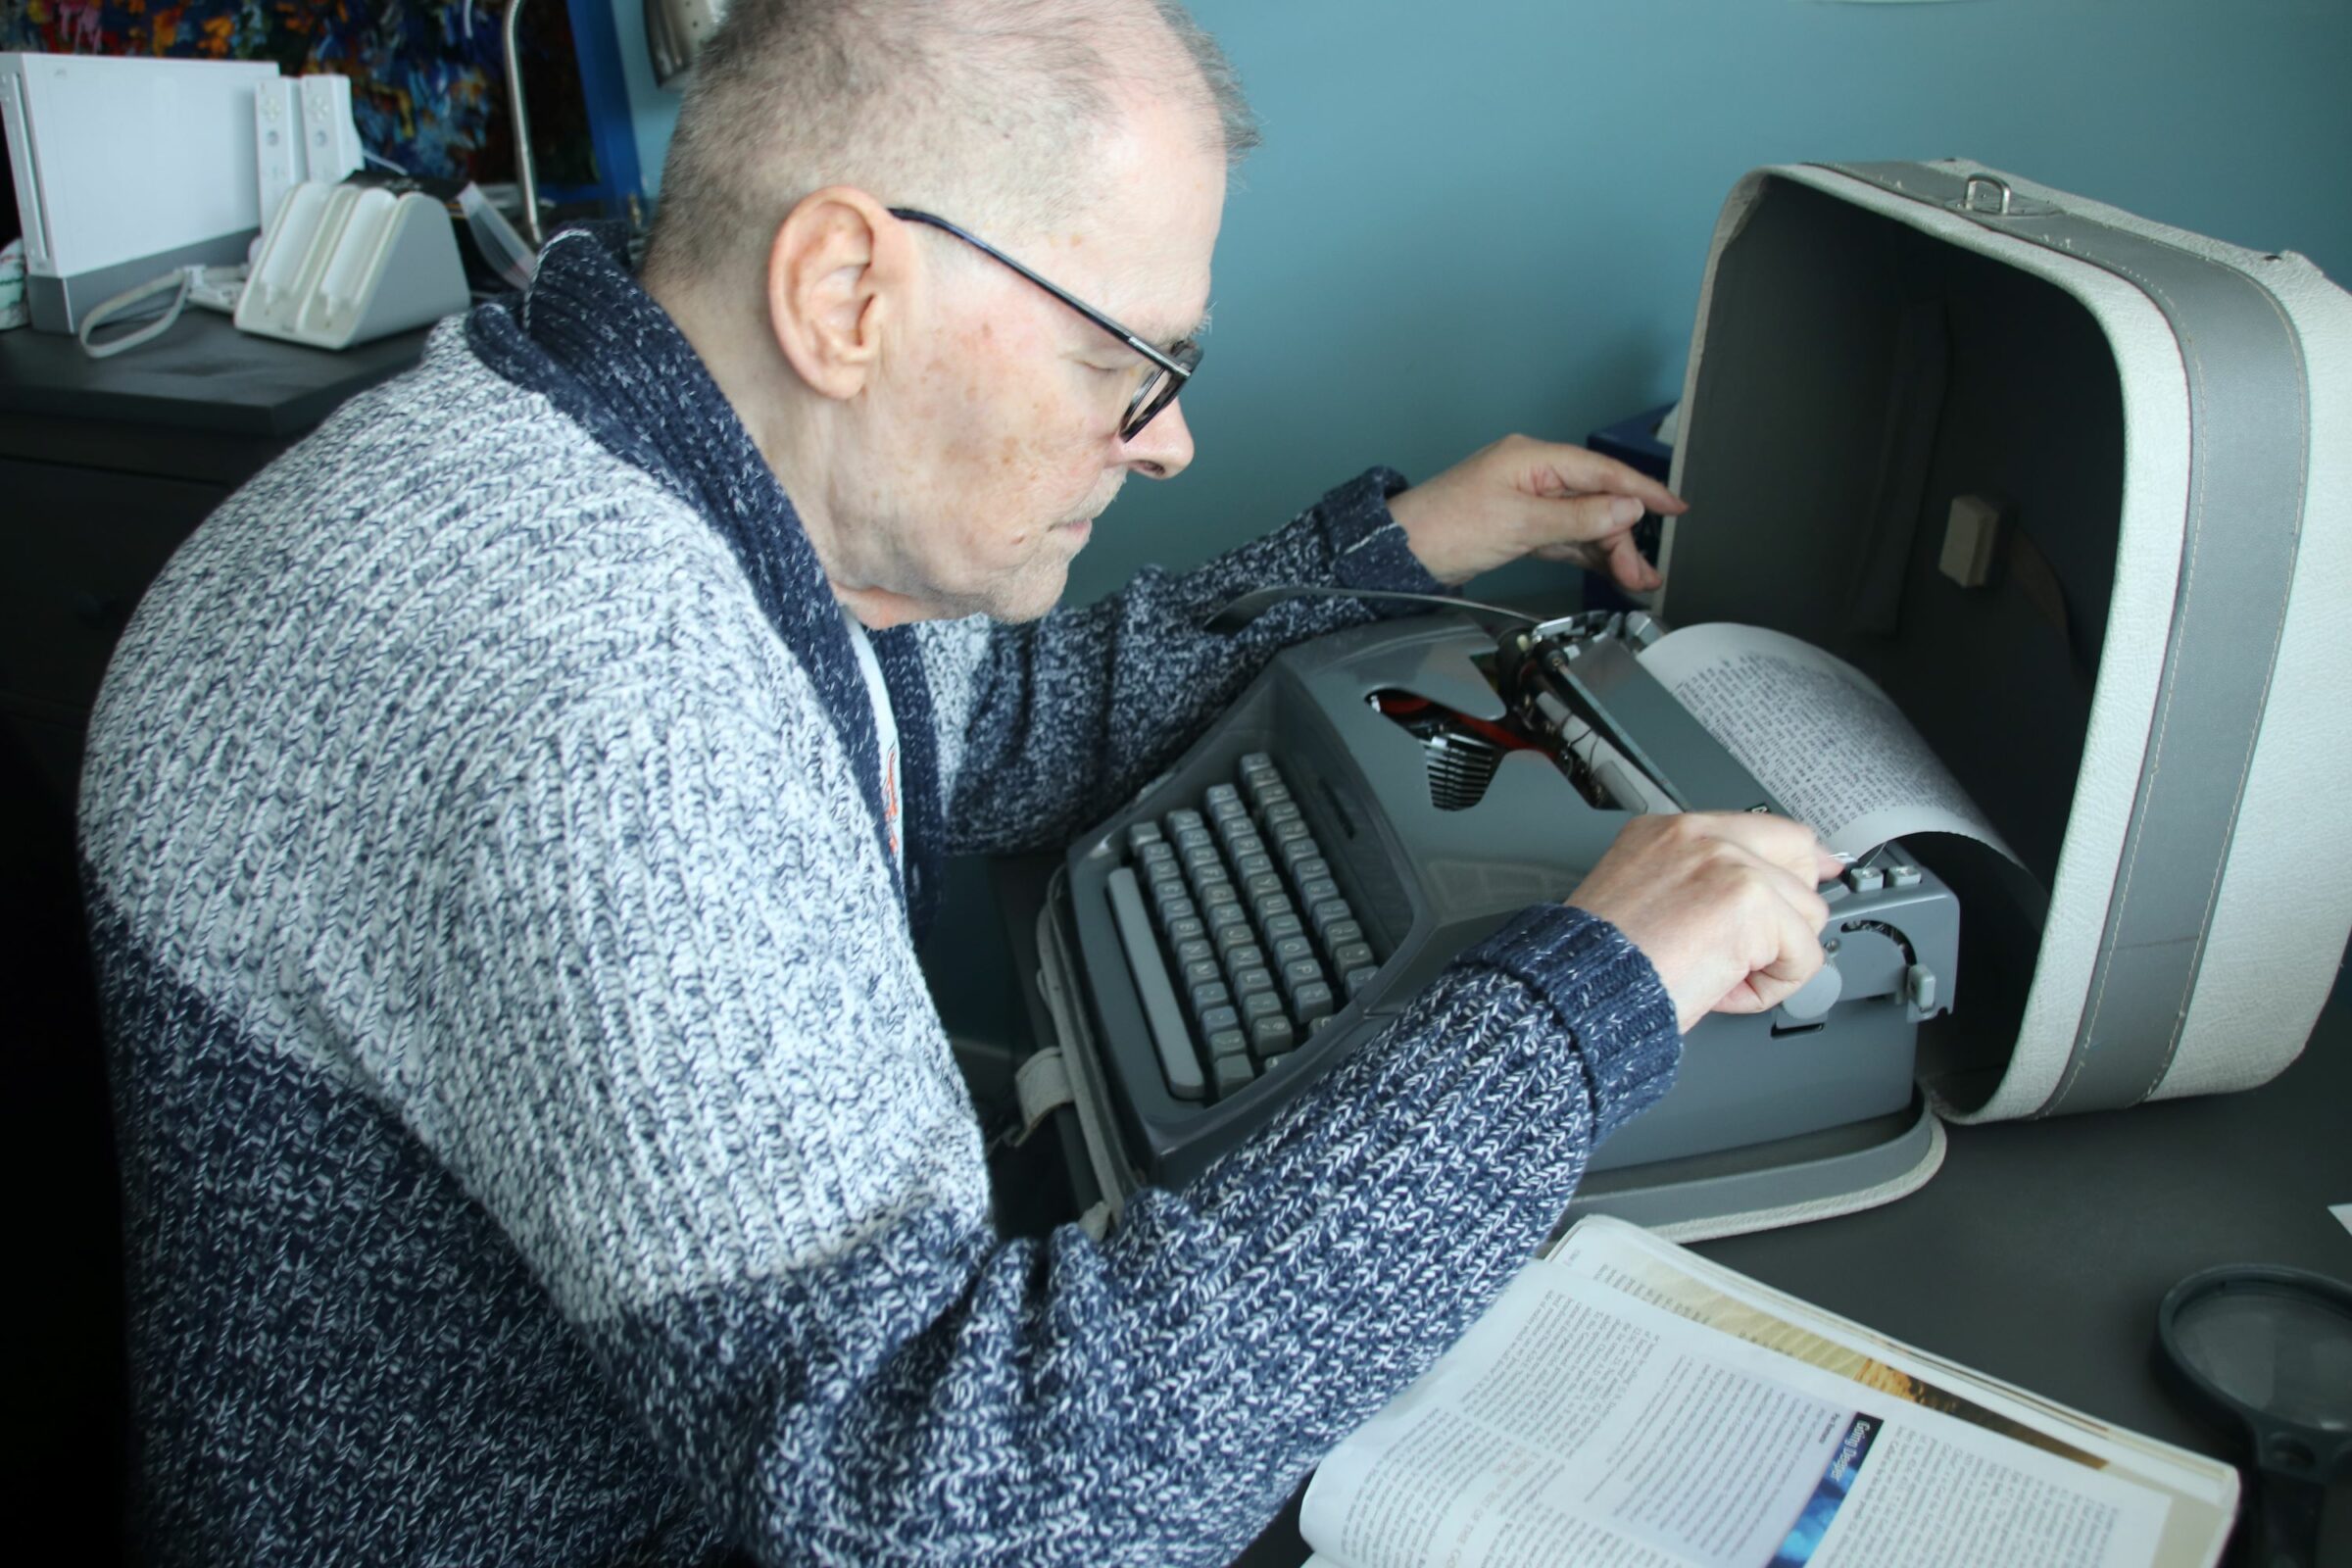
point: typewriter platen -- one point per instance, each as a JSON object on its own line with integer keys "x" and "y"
{"x": 1383, "y": 797}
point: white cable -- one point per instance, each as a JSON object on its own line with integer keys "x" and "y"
{"x": 381, "y": 162}
{"x": 174, "y": 283}
{"x": 216, "y": 289}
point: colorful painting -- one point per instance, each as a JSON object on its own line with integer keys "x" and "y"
{"x": 428, "y": 84}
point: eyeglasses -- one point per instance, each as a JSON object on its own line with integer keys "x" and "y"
{"x": 1171, "y": 367}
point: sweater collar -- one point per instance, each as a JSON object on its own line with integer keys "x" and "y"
{"x": 590, "y": 339}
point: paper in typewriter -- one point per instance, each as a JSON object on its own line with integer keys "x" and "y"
{"x": 1627, "y": 1404}
{"x": 1836, "y": 752}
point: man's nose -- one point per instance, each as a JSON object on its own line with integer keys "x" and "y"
{"x": 1162, "y": 448}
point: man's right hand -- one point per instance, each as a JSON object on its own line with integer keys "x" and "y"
{"x": 1721, "y": 902}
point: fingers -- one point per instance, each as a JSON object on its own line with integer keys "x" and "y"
{"x": 1792, "y": 922}
{"x": 1595, "y": 501}
{"x": 1791, "y": 926}
{"x": 1790, "y": 846}
{"x": 1573, "y": 470}
{"x": 1521, "y": 495}
{"x": 1801, "y": 896}
{"x": 1785, "y": 918}
{"x": 1616, "y": 555}
{"x": 1628, "y": 568}
{"x": 1723, "y": 904}
{"x": 1774, "y": 983}
{"x": 1588, "y": 519}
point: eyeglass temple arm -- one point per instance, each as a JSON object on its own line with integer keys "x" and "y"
{"x": 1157, "y": 356}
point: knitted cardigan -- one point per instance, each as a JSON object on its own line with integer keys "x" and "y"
{"x": 539, "y": 1145}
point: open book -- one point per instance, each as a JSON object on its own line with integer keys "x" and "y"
{"x": 1627, "y": 1404}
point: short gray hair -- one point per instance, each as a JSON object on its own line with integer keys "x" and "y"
{"x": 970, "y": 107}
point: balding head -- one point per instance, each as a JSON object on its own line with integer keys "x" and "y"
{"x": 948, "y": 429}
{"x": 981, "y": 109}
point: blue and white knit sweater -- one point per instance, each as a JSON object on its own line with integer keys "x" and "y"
{"x": 539, "y": 1144}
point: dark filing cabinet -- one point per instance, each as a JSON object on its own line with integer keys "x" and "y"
{"x": 105, "y": 466}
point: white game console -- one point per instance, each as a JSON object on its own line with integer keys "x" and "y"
{"x": 127, "y": 169}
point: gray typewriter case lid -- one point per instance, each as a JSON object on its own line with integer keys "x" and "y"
{"x": 2145, "y": 686}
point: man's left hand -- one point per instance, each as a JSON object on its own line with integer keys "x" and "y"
{"x": 1523, "y": 497}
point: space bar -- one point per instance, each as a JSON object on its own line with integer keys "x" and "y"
{"x": 1176, "y": 1059}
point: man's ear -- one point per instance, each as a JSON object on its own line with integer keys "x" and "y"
{"x": 836, "y": 272}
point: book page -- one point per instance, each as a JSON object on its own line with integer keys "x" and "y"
{"x": 2202, "y": 1491}
{"x": 1651, "y": 1269}
{"x": 1580, "y": 1422}
{"x": 1832, "y": 747}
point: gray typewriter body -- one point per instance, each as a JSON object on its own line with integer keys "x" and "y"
{"x": 1436, "y": 834}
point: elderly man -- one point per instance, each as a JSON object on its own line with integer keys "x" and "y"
{"x": 508, "y": 820}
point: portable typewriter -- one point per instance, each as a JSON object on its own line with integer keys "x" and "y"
{"x": 1386, "y": 795}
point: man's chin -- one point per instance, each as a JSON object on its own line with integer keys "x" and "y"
{"x": 1029, "y": 607}
{"x": 1034, "y": 595}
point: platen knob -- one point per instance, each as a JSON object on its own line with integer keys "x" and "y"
{"x": 1816, "y": 997}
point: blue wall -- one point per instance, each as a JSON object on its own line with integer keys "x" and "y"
{"x": 1489, "y": 214}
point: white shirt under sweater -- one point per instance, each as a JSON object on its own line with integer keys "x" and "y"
{"x": 885, "y": 737}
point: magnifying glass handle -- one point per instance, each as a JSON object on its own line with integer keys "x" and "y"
{"x": 2286, "y": 1522}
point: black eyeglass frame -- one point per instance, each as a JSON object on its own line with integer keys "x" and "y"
{"x": 1172, "y": 368}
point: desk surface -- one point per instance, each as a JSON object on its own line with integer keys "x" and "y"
{"x": 2040, "y": 1251}
{"x": 201, "y": 375}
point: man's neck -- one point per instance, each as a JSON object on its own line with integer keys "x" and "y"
{"x": 774, "y": 409}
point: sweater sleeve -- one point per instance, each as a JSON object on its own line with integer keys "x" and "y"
{"x": 1050, "y": 720}
{"x": 687, "y": 1065}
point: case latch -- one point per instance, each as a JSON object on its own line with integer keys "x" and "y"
{"x": 1990, "y": 196}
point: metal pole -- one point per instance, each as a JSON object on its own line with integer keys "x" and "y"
{"x": 525, "y": 173}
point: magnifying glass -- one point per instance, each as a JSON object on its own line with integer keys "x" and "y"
{"x": 2268, "y": 1353}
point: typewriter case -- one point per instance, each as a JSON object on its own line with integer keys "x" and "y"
{"x": 2142, "y": 670}
{"x": 2042, "y": 471}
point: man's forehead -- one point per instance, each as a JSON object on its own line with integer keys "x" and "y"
{"x": 1163, "y": 327}
{"x": 1153, "y": 276}
{"x": 1148, "y": 203}
{"x": 1159, "y": 306}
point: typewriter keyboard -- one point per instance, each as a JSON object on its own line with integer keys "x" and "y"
{"x": 1238, "y": 936}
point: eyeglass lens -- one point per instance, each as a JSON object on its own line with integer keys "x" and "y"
{"x": 1157, "y": 391}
